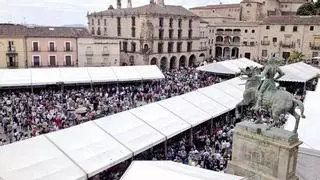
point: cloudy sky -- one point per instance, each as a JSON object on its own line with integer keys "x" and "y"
{"x": 62, "y": 12}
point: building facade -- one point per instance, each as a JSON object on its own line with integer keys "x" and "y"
{"x": 12, "y": 46}
{"x": 157, "y": 34}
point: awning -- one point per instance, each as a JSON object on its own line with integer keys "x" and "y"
{"x": 299, "y": 72}
{"x": 149, "y": 72}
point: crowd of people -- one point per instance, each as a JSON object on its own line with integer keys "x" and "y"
{"x": 25, "y": 114}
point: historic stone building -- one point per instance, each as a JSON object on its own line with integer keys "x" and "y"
{"x": 165, "y": 35}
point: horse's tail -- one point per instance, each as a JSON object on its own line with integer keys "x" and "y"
{"x": 300, "y": 106}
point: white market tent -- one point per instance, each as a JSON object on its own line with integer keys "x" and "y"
{"x": 309, "y": 151}
{"x": 161, "y": 119}
{"x": 238, "y": 83}
{"x": 78, "y": 75}
{"x": 168, "y": 170}
{"x": 299, "y": 72}
{"x": 131, "y": 131}
{"x": 185, "y": 110}
{"x": 34, "y": 159}
{"x": 231, "y": 90}
{"x": 229, "y": 66}
{"x": 90, "y": 147}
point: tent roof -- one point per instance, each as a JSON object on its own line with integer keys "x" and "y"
{"x": 231, "y": 90}
{"x": 34, "y": 159}
{"x": 126, "y": 73}
{"x": 161, "y": 119}
{"x": 160, "y": 170}
{"x": 185, "y": 110}
{"x": 15, "y": 77}
{"x": 131, "y": 131}
{"x": 238, "y": 83}
{"x": 149, "y": 72}
{"x": 299, "y": 72}
{"x": 75, "y": 75}
{"x": 205, "y": 103}
{"x": 229, "y": 66}
{"x": 45, "y": 76}
{"x": 90, "y": 147}
{"x": 102, "y": 74}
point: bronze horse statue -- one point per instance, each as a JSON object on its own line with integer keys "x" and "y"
{"x": 279, "y": 101}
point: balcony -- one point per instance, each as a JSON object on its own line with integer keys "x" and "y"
{"x": 69, "y": 64}
{"x": 35, "y": 49}
{"x": 265, "y": 43}
{"x": 12, "y": 64}
{"x": 12, "y": 50}
{"x": 314, "y": 46}
{"x": 89, "y": 53}
{"x": 288, "y": 45}
{"x": 106, "y": 53}
{"x": 251, "y": 44}
{"x": 68, "y": 49}
{"x": 219, "y": 32}
{"x": 52, "y": 49}
{"x": 222, "y": 43}
{"x": 203, "y": 48}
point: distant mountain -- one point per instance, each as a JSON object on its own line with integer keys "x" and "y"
{"x": 75, "y": 25}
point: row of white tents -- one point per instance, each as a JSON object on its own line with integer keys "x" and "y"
{"x": 83, "y": 151}
{"x": 79, "y": 75}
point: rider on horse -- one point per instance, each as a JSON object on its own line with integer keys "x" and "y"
{"x": 269, "y": 72}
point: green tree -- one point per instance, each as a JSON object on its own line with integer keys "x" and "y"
{"x": 295, "y": 56}
{"x": 307, "y": 9}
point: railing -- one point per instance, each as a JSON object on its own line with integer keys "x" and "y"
{"x": 314, "y": 46}
{"x": 265, "y": 43}
{"x": 38, "y": 49}
{"x": 222, "y": 43}
{"x": 203, "y": 48}
{"x": 249, "y": 44}
{"x": 89, "y": 53}
{"x": 228, "y": 33}
{"x": 50, "y": 49}
{"x": 219, "y": 32}
{"x": 13, "y": 64}
{"x": 68, "y": 65}
{"x": 287, "y": 45}
{"x": 69, "y": 49}
{"x": 11, "y": 49}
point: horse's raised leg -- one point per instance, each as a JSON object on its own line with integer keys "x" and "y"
{"x": 297, "y": 117}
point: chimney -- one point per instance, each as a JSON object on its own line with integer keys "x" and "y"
{"x": 129, "y": 4}
{"x": 160, "y": 3}
{"x": 118, "y": 4}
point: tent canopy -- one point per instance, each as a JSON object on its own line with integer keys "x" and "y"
{"x": 90, "y": 147}
{"x": 160, "y": 170}
{"x": 299, "y": 72}
{"x": 34, "y": 159}
{"x": 229, "y": 66}
{"x": 102, "y": 74}
{"x": 15, "y": 77}
{"x": 149, "y": 72}
{"x": 45, "y": 76}
{"x": 126, "y": 73}
{"x": 131, "y": 131}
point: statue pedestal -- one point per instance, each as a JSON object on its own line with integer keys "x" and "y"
{"x": 260, "y": 154}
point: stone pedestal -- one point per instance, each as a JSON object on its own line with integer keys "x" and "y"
{"x": 260, "y": 154}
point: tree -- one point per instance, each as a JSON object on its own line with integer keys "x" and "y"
{"x": 295, "y": 56}
{"x": 307, "y": 9}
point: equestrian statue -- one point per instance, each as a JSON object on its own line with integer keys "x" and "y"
{"x": 261, "y": 90}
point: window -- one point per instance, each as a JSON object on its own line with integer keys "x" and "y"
{"x": 264, "y": 53}
{"x": 190, "y": 23}
{"x": 52, "y": 46}
{"x": 119, "y": 26}
{"x": 315, "y": 54}
{"x": 35, "y": 46}
{"x": 161, "y": 22}
{"x": 253, "y": 31}
{"x": 179, "y": 46}
{"x": 179, "y": 34}
{"x": 36, "y": 61}
{"x": 295, "y": 28}
{"x": 105, "y": 22}
{"x": 180, "y": 23}
{"x": 190, "y": 34}
{"x": 10, "y": 46}
{"x": 133, "y": 32}
{"x": 133, "y": 21}
{"x": 189, "y": 47}
{"x": 105, "y": 31}
{"x": 267, "y": 27}
{"x": 52, "y": 61}
{"x": 171, "y": 23}
{"x": 282, "y": 28}
{"x": 133, "y": 47}
{"x": 99, "y": 31}
{"x": 125, "y": 46}
{"x": 160, "y": 47}
{"x": 92, "y": 31}
{"x": 68, "y": 46}
{"x": 311, "y": 28}
{"x": 160, "y": 33}
{"x": 89, "y": 61}
{"x": 252, "y": 43}
{"x": 170, "y": 47}
{"x": 98, "y": 22}
{"x": 245, "y": 31}
{"x": 68, "y": 61}
{"x": 170, "y": 33}
{"x": 245, "y": 43}
{"x": 92, "y": 21}
{"x": 274, "y": 40}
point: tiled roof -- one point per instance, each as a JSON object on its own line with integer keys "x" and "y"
{"x": 13, "y": 30}
{"x": 148, "y": 10}
{"x": 217, "y": 6}
{"x": 295, "y": 20}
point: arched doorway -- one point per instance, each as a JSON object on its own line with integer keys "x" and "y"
{"x": 235, "y": 52}
{"x": 226, "y": 52}
{"x": 192, "y": 60}
{"x": 182, "y": 61}
{"x": 163, "y": 63}
{"x": 202, "y": 57}
{"x": 218, "y": 52}
{"x": 173, "y": 62}
{"x": 153, "y": 61}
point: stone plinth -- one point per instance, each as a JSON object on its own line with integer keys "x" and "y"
{"x": 261, "y": 154}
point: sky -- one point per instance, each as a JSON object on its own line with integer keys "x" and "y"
{"x": 66, "y": 12}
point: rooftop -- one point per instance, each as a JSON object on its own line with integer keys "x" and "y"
{"x": 149, "y": 9}
{"x": 217, "y": 6}
{"x": 295, "y": 20}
